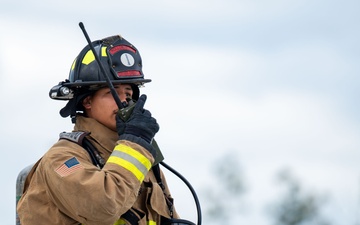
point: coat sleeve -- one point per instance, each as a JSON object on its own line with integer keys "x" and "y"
{"x": 91, "y": 195}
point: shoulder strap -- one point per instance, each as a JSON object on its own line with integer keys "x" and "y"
{"x": 79, "y": 137}
{"x": 76, "y": 137}
{"x": 169, "y": 202}
{"x": 156, "y": 170}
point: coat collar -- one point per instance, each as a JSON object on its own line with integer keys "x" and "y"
{"x": 102, "y": 135}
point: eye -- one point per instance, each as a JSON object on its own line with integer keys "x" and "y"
{"x": 128, "y": 94}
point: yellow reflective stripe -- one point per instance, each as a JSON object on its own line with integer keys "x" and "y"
{"x": 150, "y": 222}
{"x": 103, "y": 51}
{"x": 137, "y": 155}
{"x": 73, "y": 65}
{"x": 131, "y": 160}
{"x": 88, "y": 58}
{"x": 129, "y": 167}
{"x": 120, "y": 222}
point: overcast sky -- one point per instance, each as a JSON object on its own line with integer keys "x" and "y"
{"x": 275, "y": 82}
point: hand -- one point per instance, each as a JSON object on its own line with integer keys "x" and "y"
{"x": 140, "y": 128}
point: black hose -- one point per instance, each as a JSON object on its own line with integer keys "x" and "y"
{"x": 189, "y": 186}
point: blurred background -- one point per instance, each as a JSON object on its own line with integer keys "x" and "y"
{"x": 257, "y": 101}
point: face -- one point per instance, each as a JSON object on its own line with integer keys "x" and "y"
{"x": 102, "y": 107}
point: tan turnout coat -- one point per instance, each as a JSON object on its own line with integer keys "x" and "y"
{"x": 85, "y": 194}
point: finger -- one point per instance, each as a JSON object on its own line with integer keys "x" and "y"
{"x": 147, "y": 113}
{"x": 139, "y": 107}
{"x": 156, "y": 127}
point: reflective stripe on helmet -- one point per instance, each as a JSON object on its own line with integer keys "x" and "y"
{"x": 121, "y": 48}
{"x": 73, "y": 64}
{"x": 89, "y": 56}
{"x": 131, "y": 160}
{"x": 103, "y": 52}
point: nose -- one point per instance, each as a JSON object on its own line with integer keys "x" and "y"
{"x": 122, "y": 95}
{"x": 123, "y": 98}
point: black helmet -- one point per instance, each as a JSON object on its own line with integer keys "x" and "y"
{"x": 120, "y": 59}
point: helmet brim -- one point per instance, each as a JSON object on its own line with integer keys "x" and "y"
{"x": 80, "y": 84}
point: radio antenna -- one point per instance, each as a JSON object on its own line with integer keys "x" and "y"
{"x": 106, "y": 76}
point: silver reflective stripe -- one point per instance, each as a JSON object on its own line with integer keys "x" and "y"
{"x": 130, "y": 159}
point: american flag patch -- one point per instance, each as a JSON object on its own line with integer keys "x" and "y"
{"x": 69, "y": 167}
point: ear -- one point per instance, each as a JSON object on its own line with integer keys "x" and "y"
{"x": 87, "y": 102}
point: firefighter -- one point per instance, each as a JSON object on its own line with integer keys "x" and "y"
{"x": 106, "y": 170}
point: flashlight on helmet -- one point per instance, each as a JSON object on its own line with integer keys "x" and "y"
{"x": 61, "y": 92}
